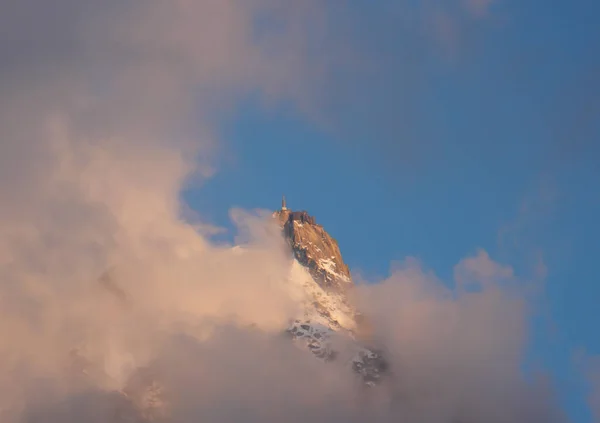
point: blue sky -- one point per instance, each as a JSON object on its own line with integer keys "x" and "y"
{"x": 483, "y": 135}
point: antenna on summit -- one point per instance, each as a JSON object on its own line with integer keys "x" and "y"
{"x": 283, "y": 206}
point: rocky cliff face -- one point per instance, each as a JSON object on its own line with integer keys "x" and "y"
{"x": 315, "y": 249}
{"x": 329, "y": 324}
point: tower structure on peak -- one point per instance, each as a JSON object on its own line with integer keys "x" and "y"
{"x": 283, "y": 204}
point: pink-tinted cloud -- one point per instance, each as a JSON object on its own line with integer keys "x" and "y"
{"x": 454, "y": 351}
{"x": 479, "y": 8}
{"x": 107, "y": 108}
{"x": 589, "y": 367}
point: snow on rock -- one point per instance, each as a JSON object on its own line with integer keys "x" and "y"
{"x": 321, "y": 280}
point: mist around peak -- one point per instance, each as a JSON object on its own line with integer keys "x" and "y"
{"x": 108, "y": 111}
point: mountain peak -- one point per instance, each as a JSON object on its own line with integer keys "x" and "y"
{"x": 314, "y": 248}
{"x": 328, "y": 317}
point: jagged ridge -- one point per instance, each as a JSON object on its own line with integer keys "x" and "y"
{"x": 315, "y": 249}
{"x": 328, "y": 319}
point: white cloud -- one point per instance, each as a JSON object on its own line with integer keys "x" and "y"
{"x": 106, "y": 109}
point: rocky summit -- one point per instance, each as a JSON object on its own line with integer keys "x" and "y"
{"x": 315, "y": 249}
{"x": 330, "y": 327}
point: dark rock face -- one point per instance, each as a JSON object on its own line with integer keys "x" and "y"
{"x": 319, "y": 253}
{"x": 315, "y": 249}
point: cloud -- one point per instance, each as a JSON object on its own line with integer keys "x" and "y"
{"x": 479, "y": 8}
{"x": 456, "y": 354}
{"x": 107, "y": 109}
{"x": 594, "y": 394}
{"x": 588, "y": 365}
{"x": 480, "y": 269}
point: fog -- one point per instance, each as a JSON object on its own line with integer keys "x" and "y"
{"x": 108, "y": 110}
